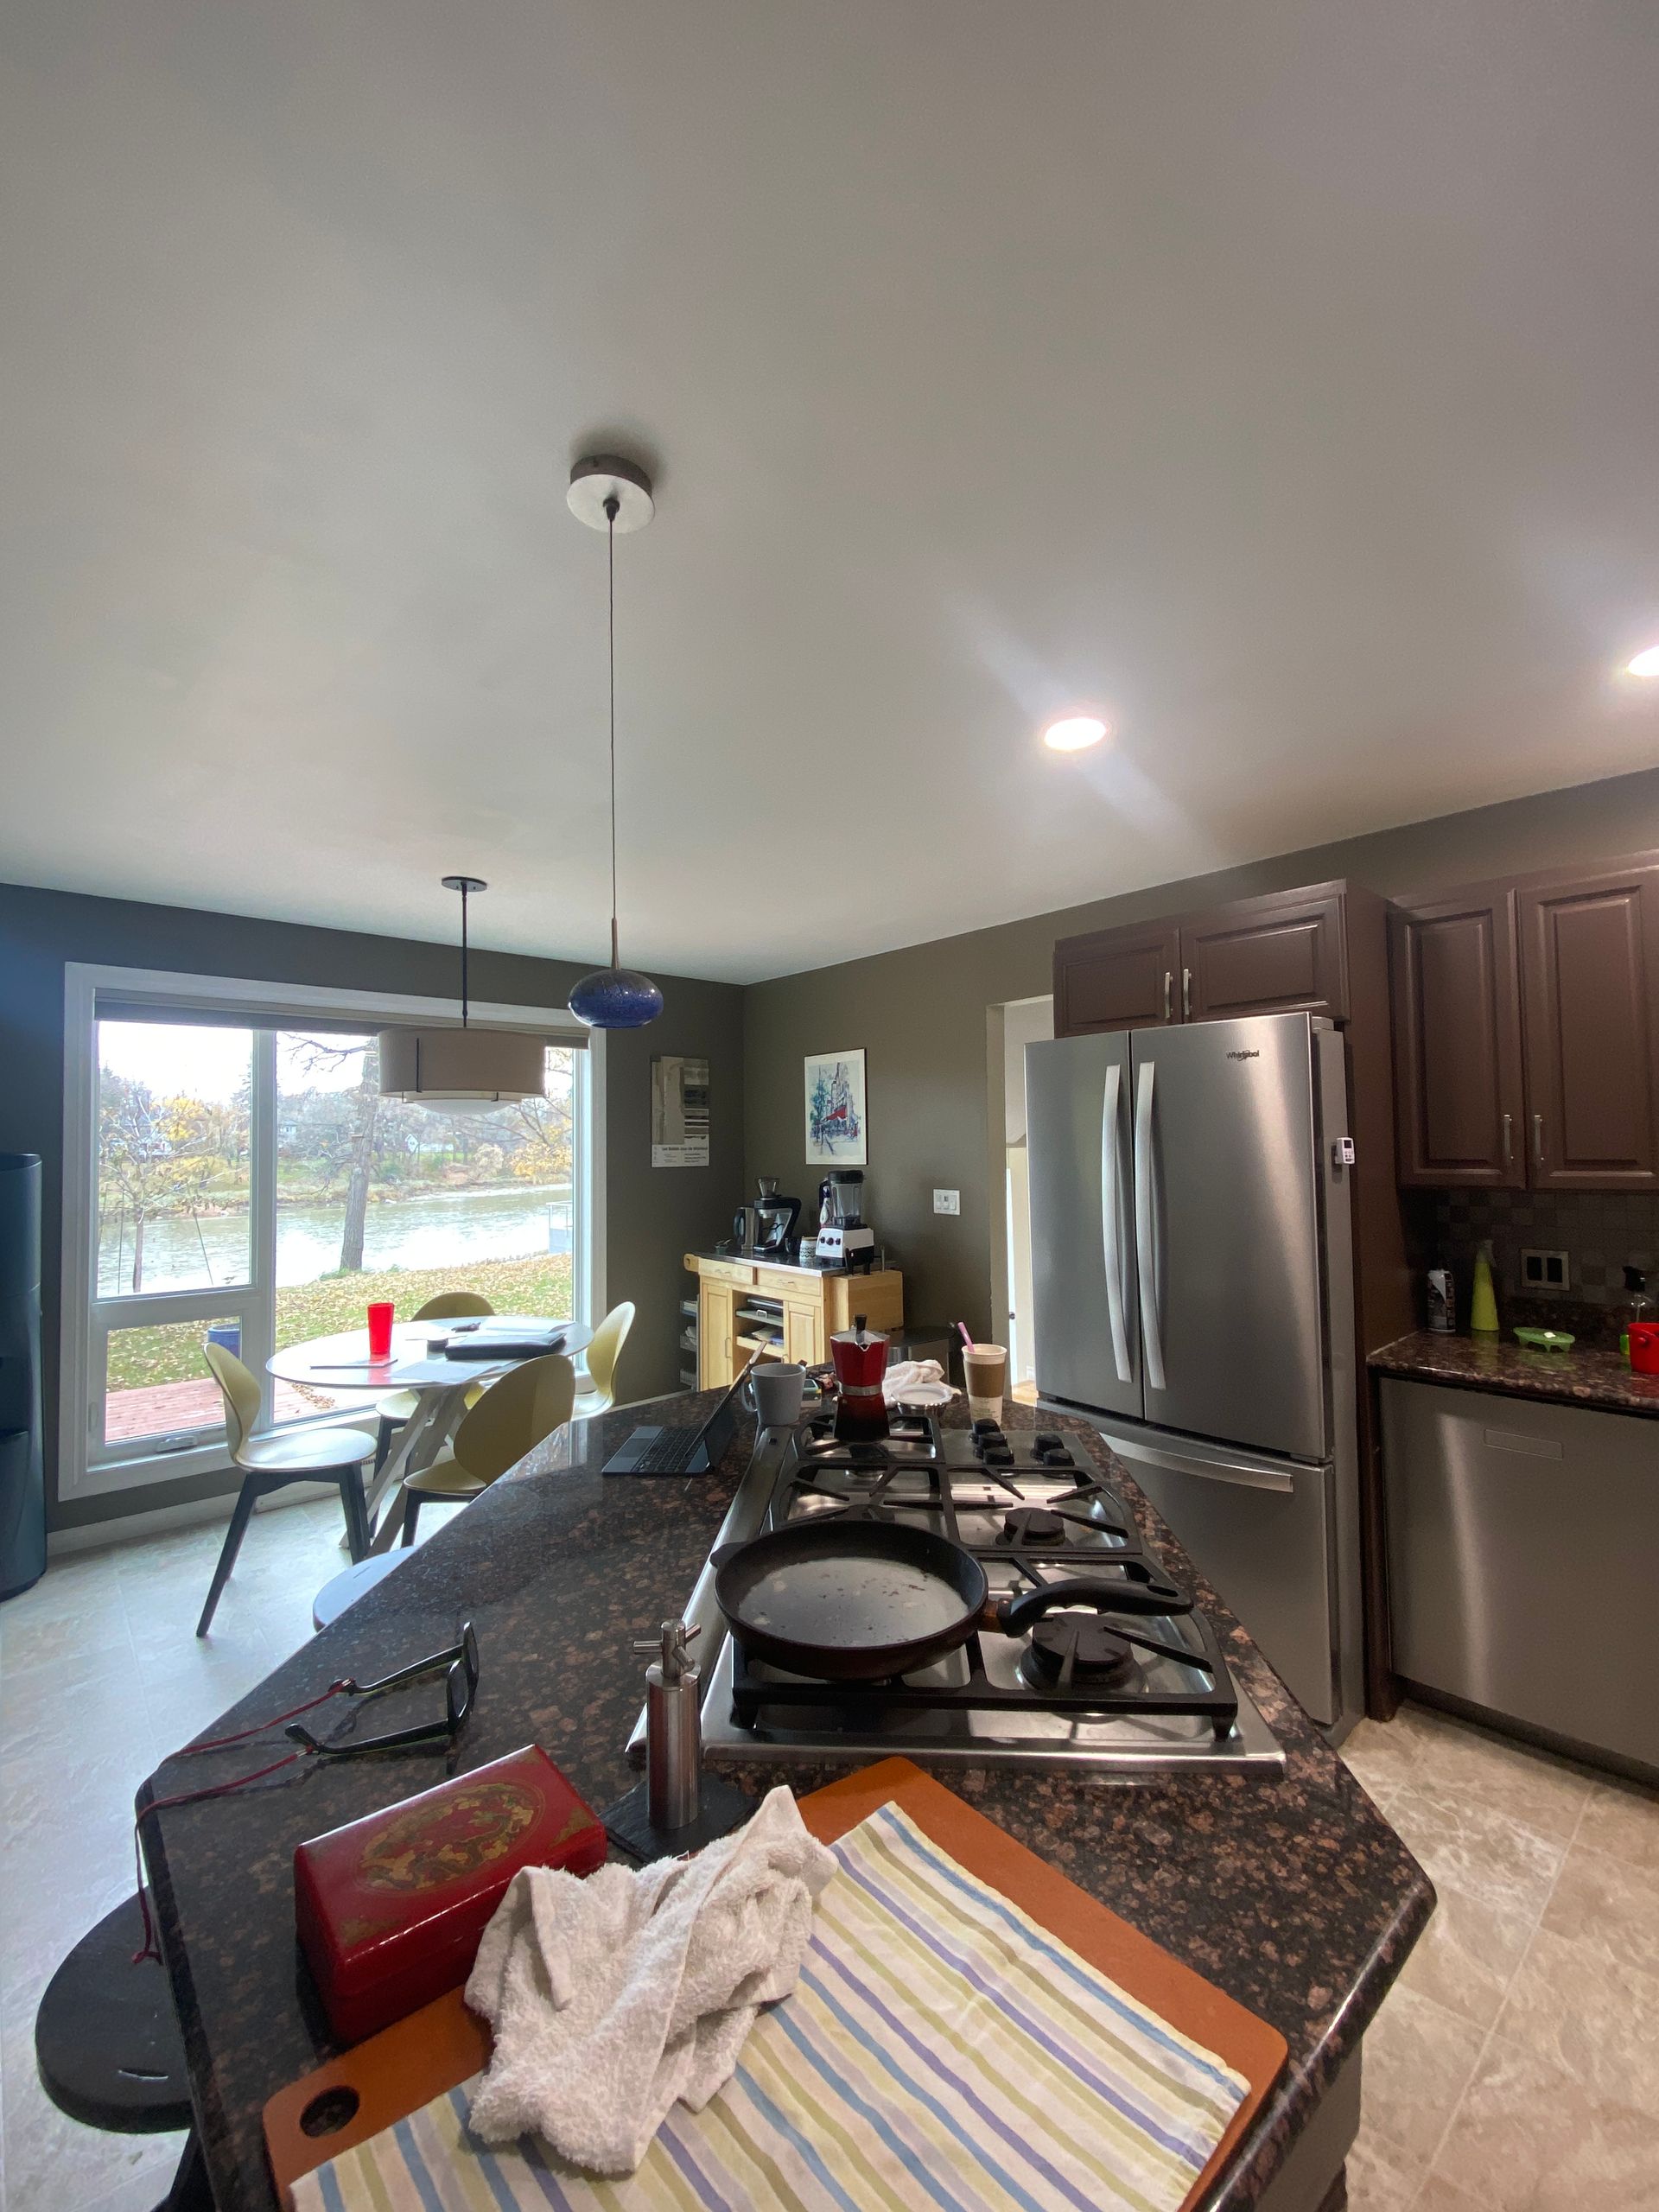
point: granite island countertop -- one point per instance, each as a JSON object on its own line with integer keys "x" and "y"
{"x": 1588, "y": 1376}
{"x": 1293, "y": 1894}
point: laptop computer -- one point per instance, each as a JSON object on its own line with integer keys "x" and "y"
{"x": 653, "y": 1450}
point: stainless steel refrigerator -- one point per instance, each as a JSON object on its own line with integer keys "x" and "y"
{"x": 1192, "y": 1274}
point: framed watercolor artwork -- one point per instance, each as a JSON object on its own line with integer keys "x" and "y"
{"x": 836, "y": 1131}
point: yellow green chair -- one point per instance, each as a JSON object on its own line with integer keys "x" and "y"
{"x": 512, "y": 1417}
{"x": 397, "y": 1407}
{"x": 269, "y": 1463}
{"x": 600, "y": 1359}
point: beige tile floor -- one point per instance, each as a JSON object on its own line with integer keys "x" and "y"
{"x": 1515, "y": 2067}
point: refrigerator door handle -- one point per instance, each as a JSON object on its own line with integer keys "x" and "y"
{"x": 1145, "y": 1229}
{"x": 1110, "y": 1252}
{"x": 1212, "y": 1471}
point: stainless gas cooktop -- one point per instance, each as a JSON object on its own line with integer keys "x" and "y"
{"x": 1119, "y": 1694}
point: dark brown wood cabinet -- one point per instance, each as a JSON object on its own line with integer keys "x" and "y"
{"x": 1282, "y": 954}
{"x": 1459, "y": 1109}
{"x": 1590, "y": 969}
{"x": 1116, "y": 979}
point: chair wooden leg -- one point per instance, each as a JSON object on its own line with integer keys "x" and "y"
{"x": 411, "y": 1515}
{"x": 357, "y": 1515}
{"x": 232, "y": 1544}
{"x": 384, "y": 1435}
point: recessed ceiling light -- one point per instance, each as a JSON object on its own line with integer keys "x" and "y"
{"x": 1074, "y": 733}
{"x": 1645, "y": 663}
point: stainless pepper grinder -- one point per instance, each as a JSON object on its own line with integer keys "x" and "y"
{"x": 673, "y": 1728}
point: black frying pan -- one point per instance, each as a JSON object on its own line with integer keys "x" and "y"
{"x": 844, "y": 1598}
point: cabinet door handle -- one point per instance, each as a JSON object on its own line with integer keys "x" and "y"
{"x": 1169, "y": 994}
{"x": 1538, "y": 1139}
{"x": 1186, "y": 994}
{"x": 1509, "y": 1139}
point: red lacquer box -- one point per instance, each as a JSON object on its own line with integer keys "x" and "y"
{"x": 391, "y": 1908}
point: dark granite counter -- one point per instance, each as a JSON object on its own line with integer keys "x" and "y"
{"x": 1593, "y": 1376}
{"x": 1294, "y": 1895}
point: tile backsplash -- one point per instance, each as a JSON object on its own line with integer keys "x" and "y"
{"x": 1601, "y": 1233}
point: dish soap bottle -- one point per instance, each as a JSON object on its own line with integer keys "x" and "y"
{"x": 1637, "y": 1307}
{"x": 1483, "y": 1304}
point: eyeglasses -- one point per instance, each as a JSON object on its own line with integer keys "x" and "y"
{"x": 460, "y": 1664}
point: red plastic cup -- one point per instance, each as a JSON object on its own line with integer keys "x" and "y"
{"x": 1644, "y": 1347}
{"x": 380, "y": 1313}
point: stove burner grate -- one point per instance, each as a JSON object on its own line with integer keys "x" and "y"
{"x": 1076, "y": 1651}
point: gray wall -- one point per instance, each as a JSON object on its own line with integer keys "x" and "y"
{"x": 921, "y": 1014}
{"x": 652, "y": 1215}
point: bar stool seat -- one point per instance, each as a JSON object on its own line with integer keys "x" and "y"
{"x": 108, "y": 2048}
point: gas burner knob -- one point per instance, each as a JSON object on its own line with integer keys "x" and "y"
{"x": 986, "y": 1427}
{"x": 998, "y": 1455}
{"x": 1048, "y": 1440}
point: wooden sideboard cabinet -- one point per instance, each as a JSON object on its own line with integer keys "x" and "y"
{"x": 1526, "y": 1032}
{"x": 782, "y": 1313}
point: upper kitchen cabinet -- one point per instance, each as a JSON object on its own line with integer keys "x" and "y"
{"x": 1282, "y": 954}
{"x": 1459, "y": 1106}
{"x": 1589, "y": 969}
{"x": 1116, "y": 979}
{"x": 1286, "y": 952}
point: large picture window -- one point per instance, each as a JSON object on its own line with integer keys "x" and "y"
{"x": 248, "y": 1180}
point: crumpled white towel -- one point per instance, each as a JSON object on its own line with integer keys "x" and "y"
{"x": 612, "y": 1996}
{"x": 906, "y": 1377}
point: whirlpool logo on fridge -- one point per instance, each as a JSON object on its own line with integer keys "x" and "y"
{"x": 1246, "y": 1052}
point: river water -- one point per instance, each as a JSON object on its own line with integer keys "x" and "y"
{"x": 439, "y": 1228}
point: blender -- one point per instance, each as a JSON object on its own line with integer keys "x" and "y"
{"x": 845, "y": 1240}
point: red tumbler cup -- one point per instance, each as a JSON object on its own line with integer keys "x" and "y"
{"x": 1644, "y": 1347}
{"x": 380, "y": 1313}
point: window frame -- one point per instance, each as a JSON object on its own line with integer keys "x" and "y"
{"x": 84, "y": 1469}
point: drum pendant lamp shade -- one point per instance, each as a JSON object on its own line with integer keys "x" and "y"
{"x": 459, "y": 1069}
{"x": 611, "y": 494}
{"x": 463, "y": 1070}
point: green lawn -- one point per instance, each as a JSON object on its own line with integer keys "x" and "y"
{"x": 139, "y": 1357}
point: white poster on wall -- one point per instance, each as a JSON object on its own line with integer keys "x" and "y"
{"x": 679, "y": 1112}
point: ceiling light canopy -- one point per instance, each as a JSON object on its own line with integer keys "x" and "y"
{"x": 1646, "y": 662}
{"x": 463, "y": 1070}
{"x": 1074, "y": 733}
{"x": 613, "y": 495}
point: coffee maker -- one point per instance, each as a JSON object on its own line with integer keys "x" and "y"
{"x": 775, "y": 1216}
{"x": 845, "y": 1239}
{"x": 768, "y": 1225}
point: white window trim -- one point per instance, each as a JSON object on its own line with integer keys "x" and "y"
{"x": 82, "y": 982}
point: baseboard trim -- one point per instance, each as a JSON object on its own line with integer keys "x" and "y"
{"x": 132, "y": 1527}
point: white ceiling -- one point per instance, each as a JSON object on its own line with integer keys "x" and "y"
{"x": 1282, "y": 376}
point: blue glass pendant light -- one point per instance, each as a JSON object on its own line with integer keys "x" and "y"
{"x": 611, "y": 494}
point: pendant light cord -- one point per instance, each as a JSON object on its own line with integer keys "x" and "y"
{"x": 612, "y": 508}
{"x": 463, "y": 955}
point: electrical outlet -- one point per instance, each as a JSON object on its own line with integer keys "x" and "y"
{"x": 947, "y": 1201}
{"x": 1545, "y": 1270}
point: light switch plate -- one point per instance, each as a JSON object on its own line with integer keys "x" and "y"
{"x": 947, "y": 1201}
{"x": 1545, "y": 1270}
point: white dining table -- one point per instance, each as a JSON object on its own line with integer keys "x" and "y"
{"x": 341, "y": 1363}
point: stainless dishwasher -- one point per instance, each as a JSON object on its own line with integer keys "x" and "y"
{"x": 1523, "y": 1560}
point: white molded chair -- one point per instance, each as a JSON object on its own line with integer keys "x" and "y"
{"x": 269, "y": 1463}
{"x": 526, "y": 1404}
{"x": 600, "y": 1359}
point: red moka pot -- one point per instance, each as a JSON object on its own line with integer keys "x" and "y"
{"x": 861, "y": 1358}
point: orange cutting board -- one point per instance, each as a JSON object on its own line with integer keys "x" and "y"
{"x": 404, "y": 2067}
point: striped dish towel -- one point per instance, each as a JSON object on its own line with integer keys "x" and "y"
{"x": 941, "y": 2051}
